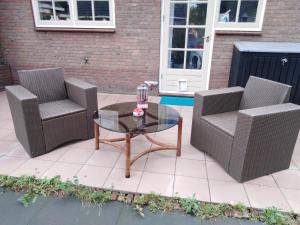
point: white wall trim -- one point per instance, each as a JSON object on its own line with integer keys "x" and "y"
{"x": 161, "y": 44}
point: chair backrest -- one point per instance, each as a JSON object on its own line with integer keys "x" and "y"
{"x": 47, "y": 84}
{"x": 261, "y": 92}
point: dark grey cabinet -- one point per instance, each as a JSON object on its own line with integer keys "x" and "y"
{"x": 271, "y": 60}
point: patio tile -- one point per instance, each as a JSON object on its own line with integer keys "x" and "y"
{"x": 161, "y": 165}
{"x": 216, "y": 172}
{"x": 88, "y": 144}
{"x": 265, "y": 197}
{"x": 19, "y": 151}
{"x": 54, "y": 155}
{"x": 138, "y": 146}
{"x": 10, "y": 164}
{"x": 66, "y": 171}
{"x": 137, "y": 165}
{"x": 10, "y": 136}
{"x": 208, "y": 158}
{"x": 263, "y": 181}
{"x": 7, "y": 124}
{"x": 7, "y": 146}
{"x": 118, "y": 181}
{"x": 189, "y": 152}
{"x": 190, "y": 168}
{"x": 3, "y": 133}
{"x": 288, "y": 179}
{"x": 103, "y": 158}
{"x": 293, "y": 198}
{"x": 33, "y": 167}
{"x": 227, "y": 192}
{"x": 93, "y": 176}
{"x": 77, "y": 155}
{"x": 158, "y": 183}
{"x": 188, "y": 186}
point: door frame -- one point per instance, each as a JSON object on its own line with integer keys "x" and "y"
{"x": 212, "y": 38}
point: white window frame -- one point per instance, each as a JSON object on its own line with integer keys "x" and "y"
{"x": 74, "y": 22}
{"x": 240, "y": 26}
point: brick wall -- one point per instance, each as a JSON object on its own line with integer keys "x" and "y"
{"x": 281, "y": 23}
{"x": 118, "y": 61}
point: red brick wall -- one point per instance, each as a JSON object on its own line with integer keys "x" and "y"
{"x": 281, "y": 23}
{"x": 118, "y": 61}
{"x": 5, "y": 76}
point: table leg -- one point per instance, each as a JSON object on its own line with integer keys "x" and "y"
{"x": 127, "y": 155}
{"x": 97, "y": 135}
{"x": 179, "y": 136}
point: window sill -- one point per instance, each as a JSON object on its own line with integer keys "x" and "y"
{"x": 235, "y": 32}
{"x": 95, "y": 30}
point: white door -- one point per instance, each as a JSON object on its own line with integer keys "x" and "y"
{"x": 186, "y": 45}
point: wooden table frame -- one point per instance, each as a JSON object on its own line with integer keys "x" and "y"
{"x": 127, "y": 139}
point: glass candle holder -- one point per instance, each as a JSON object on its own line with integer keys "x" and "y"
{"x": 142, "y": 96}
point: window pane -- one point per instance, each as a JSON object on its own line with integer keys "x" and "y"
{"x": 101, "y": 10}
{"x": 178, "y": 14}
{"x": 228, "y": 11}
{"x": 46, "y": 10}
{"x": 177, "y": 38}
{"x": 62, "y": 10}
{"x": 194, "y": 60}
{"x": 176, "y": 59}
{"x": 84, "y": 9}
{"x": 196, "y": 38}
{"x": 248, "y": 11}
{"x": 198, "y": 13}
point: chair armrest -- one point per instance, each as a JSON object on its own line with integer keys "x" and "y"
{"x": 217, "y": 101}
{"x": 26, "y": 118}
{"x": 85, "y": 95}
{"x": 265, "y": 134}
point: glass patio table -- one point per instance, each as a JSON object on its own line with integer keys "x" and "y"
{"x": 119, "y": 118}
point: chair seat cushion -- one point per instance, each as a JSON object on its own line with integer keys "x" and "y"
{"x": 59, "y": 108}
{"x": 224, "y": 121}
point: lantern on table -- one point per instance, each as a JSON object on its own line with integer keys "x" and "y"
{"x": 142, "y": 96}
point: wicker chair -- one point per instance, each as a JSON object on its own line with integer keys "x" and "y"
{"x": 250, "y": 132}
{"x": 48, "y": 111}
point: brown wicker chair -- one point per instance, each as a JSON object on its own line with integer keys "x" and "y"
{"x": 251, "y": 132}
{"x": 48, "y": 111}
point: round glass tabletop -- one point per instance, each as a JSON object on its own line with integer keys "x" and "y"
{"x": 119, "y": 118}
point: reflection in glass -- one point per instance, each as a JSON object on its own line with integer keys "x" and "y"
{"x": 248, "y": 11}
{"x": 196, "y": 38}
{"x": 176, "y": 59}
{"x": 84, "y": 9}
{"x": 178, "y": 14}
{"x": 228, "y": 11}
{"x": 194, "y": 60}
{"x": 62, "y": 10}
{"x": 46, "y": 10}
{"x": 198, "y": 13}
{"x": 101, "y": 10}
{"x": 177, "y": 38}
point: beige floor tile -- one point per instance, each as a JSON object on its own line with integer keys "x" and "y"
{"x": 189, "y": 152}
{"x": 54, "y": 155}
{"x": 104, "y": 158}
{"x": 263, "y": 181}
{"x": 158, "y": 183}
{"x": 138, "y": 146}
{"x": 93, "y": 176}
{"x": 166, "y": 137}
{"x": 10, "y": 164}
{"x": 66, "y": 171}
{"x": 288, "y": 179}
{"x": 208, "y": 158}
{"x": 164, "y": 153}
{"x": 33, "y": 167}
{"x": 187, "y": 187}
{"x": 264, "y": 197}
{"x": 137, "y": 165}
{"x": 118, "y": 181}
{"x": 7, "y": 146}
{"x": 3, "y": 133}
{"x": 88, "y": 144}
{"x": 216, "y": 172}
{"x": 293, "y": 198}
{"x": 161, "y": 165}
{"x": 190, "y": 168}
{"x": 227, "y": 192}
{"x": 77, "y": 155}
{"x": 19, "y": 151}
{"x": 11, "y": 136}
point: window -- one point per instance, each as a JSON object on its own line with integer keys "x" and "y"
{"x": 74, "y": 13}
{"x": 244, "y": 15}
